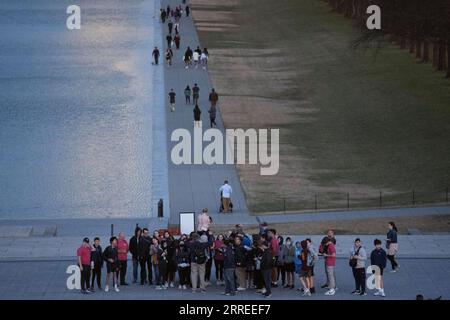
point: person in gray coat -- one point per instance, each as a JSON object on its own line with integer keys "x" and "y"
{"x": 358, "y": 257}
{"x": 288, "y": 257}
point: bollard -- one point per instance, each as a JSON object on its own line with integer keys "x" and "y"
{"x": 112, "y": 230}
{"x": 381, "y": 199}
{"x": 414, "y": 197}
{"x": 160, "y": 208}
{"x": 446, "y": 195}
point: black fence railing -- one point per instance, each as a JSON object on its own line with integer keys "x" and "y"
{"x": 354, "y": 200}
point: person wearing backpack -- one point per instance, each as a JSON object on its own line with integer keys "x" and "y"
{"x": 323, "y": 249}
{"x": 198, "y": 249}
{"x": 314, "y": 259}
{"x": 357, "y": 262}
{"x": 305, "y": 276}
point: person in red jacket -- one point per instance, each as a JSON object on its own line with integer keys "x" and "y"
{"x": 84, "y": 262}
{"x": 122, "y": 250}
{"x": 275, "y": 251}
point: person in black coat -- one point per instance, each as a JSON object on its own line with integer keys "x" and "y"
{"x": 134, "y": 250}
{"x": 96, "y": 264}
{"x": 266, "y": 266}
{"x": 197, "y": 113}
{"x": 145, "y": 242}
{"x": 111, "y": 256}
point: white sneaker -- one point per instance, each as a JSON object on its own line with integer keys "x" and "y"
{"x": 382, "y": 293}
{"x": 106, "y": 288}
{"x": 306, "y": 291}
{"x": 377, "y": 293}
{"x": 330, "y": 292}
{"x": 393, "y": 271}
{"x": 263, "y": 291}
{"x": 240, "y": 289}
{"x": 184, "y": 287}
{"x": 172, "y": 285}
{"x": 116, "y": 288}
{"x": 180, "y": 287}
{"x": 158, "y": 287}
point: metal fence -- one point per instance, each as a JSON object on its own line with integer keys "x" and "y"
{"x": 348, "y": 201}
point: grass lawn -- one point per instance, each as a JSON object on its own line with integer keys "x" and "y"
{"x": 350, "y": 121}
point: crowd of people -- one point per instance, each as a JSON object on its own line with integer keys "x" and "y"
{"x": 240, "y": 261}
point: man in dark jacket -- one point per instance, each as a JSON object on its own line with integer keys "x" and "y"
{"x": 96, "y": 264}
{"x": 213, "y": 98}
{"x": 266, "y": 267}
{"x": 229, "y": 267}
{"x": 241, "y": 263}
{"x": 144, "y": 257}
{"x": 198, "y": 248}
{"x": 378, "y": 259}
{"x": 134, "y": 250}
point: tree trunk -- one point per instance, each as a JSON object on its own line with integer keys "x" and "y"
{"x": 441, "y": 56}
{"x": 426, "y": 52}
{"x": 418, "y": 50}
{"x": 435, "y": 54}
{"x": 448, "y": 59}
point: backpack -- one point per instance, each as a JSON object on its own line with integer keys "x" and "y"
{"x": 200, "y": 255}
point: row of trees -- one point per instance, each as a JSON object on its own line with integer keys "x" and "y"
{"x": 421, "y": 26}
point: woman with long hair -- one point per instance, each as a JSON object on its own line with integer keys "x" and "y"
{"x": 392, "y": 245}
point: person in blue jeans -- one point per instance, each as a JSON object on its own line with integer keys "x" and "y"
{"x": 229, "y": 267}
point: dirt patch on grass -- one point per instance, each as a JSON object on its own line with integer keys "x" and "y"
{"x": 426, "y": 225}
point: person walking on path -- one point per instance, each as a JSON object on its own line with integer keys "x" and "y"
{"x": 229, "y": 266}
{"x": 219, "y": 249}
{"x": 169, "y": 40}
{"x": 226, "y": 192}
{"x": 169, "y": 56}
{"x": 203, "y": 222}
{"x": 163, "y": 15}
{"x": 378, "y": 259}
{"x": 110, "y": 255}
{"x": 96, "y": 264}
{"x": 204, "y": 60}
{"x": 170, "y": 25}
{"x": 168, "y": 10}
{"x": 195, "y": 93}
{"x": 155, "y": 55}
{"x": 330, "y": 263}
{"x": 358, "y": 257}
{"x": 177, "y": 40}
{"x": 323, "y": 249}
{"x": 187, "y": 94}
{"x": 197, "y": 118}
{"x": 172, "y": 95}
{"x": 122, "y": 252}
{"x": 188, "y": 10}
{"x": 188, "y": 57}
{"x": 241, "y": 263}
{"x": 392, "y": 245}
{"x": 144, "y": 257}
{"x": 84, "y": 263}
{"x": 198, "y": 249}
{"x": 288, "y": 255}
{"x": 183, "y": 264}
{"x": 213, "y": 98}
{"x": 212, "y": 116}
{"x": 134, "y": 250}
{"x": 196, "y": 59}
{"x": 177, "y": 27}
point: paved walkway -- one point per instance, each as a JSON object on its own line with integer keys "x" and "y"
{"x": 47, "y": 280}
{"x": 194, "y": 187}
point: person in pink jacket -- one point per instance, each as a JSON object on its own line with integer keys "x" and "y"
{"x": 203, "y": 222}
{"x": 122, "y": 250}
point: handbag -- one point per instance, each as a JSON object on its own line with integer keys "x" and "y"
{"x": 353, "y": 262}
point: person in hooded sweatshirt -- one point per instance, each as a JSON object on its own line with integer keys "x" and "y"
{"x": 229, "y": 266}
{"x": 378, "y": 259}
{"x": 183, "y": 264}
{"x": 134, "y": 245}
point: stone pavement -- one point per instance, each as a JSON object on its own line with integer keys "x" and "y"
{"x": 194, "y": 187}
{"x": 47, "y": 280}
